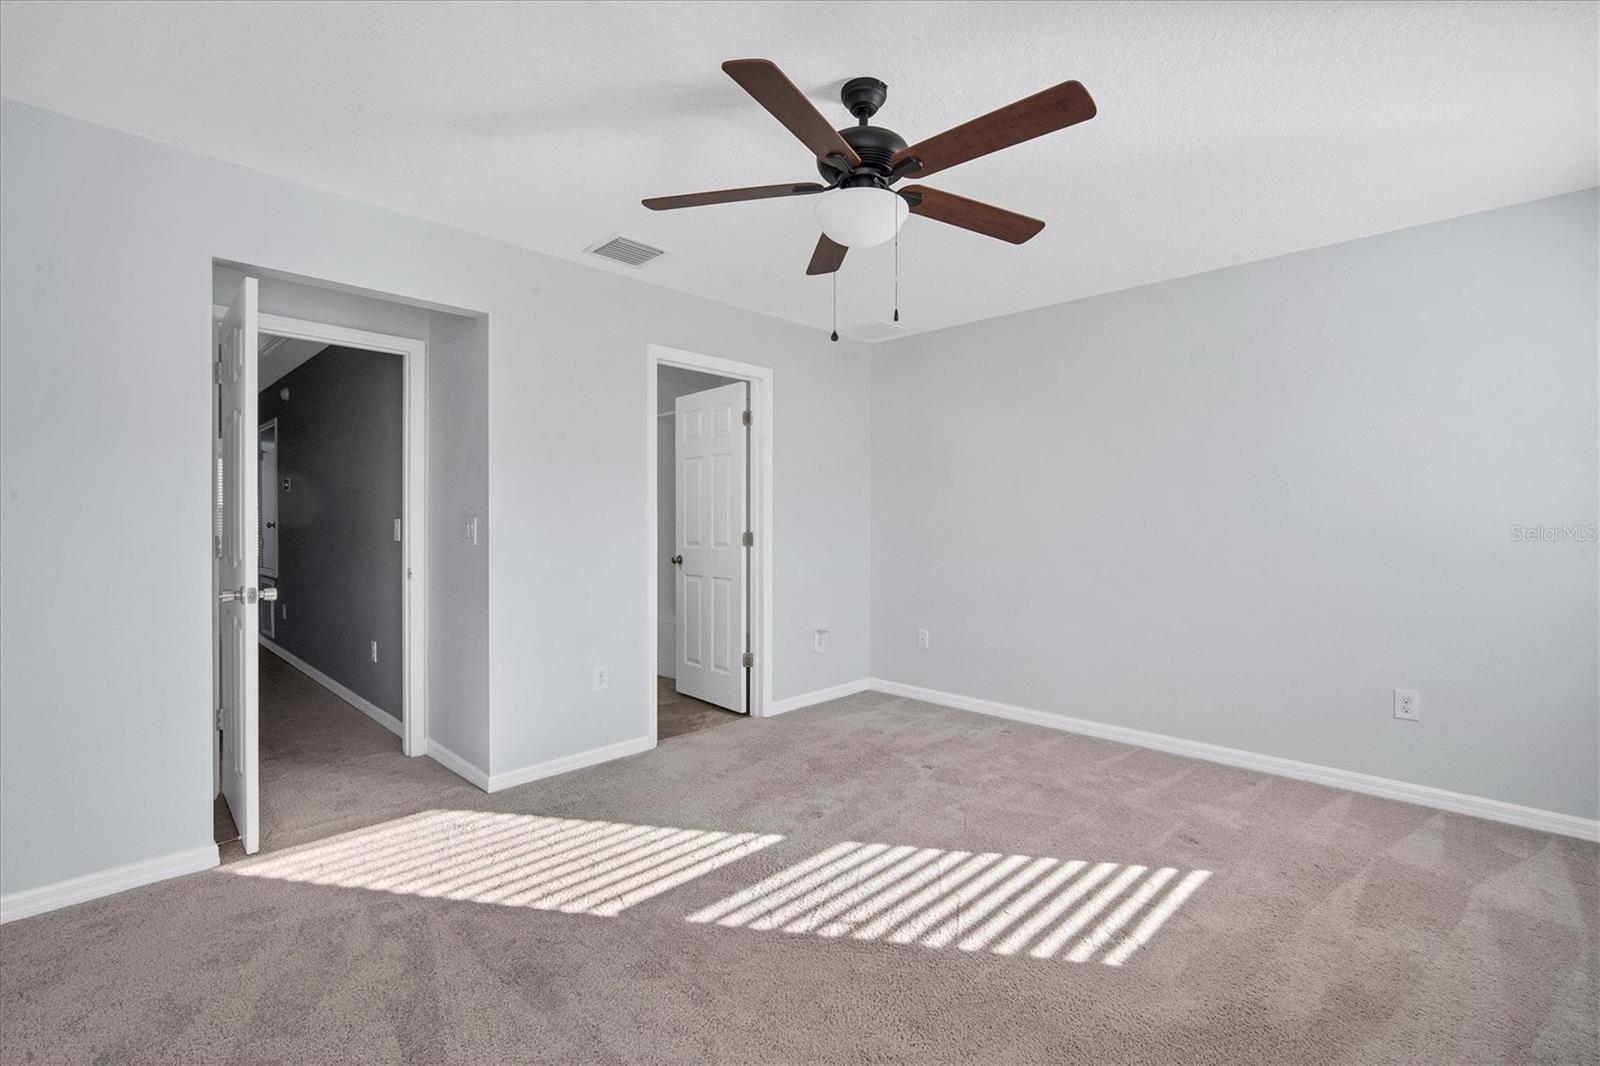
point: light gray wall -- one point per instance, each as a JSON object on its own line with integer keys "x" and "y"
{"x": 341, "y": 446}
{"x": 458, "y": 572}
{"x": 105, "y": 332}
{"x": 671, "y": 382}
{"x": 1243, "y": 507}
{"x": 567, "y": 473}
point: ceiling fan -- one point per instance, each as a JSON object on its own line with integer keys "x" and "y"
{"x": 860, "y": 164}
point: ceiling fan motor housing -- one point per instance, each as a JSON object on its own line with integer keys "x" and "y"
{"x": 876, "y": 146}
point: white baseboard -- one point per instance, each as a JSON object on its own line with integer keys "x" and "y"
{"x": 455, "y": 763}
{"x": 33, "y": 901}
{"x": 360, "y": 703}
{"x": 1424, "y": 795}
{"x": 665, "y": 667}
{"x": 521, "y": 776}
{"x": 821, "y": 695}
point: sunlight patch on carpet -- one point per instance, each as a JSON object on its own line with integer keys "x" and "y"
{"x": 1040, "y": 908}
{"x": 515, "y": 860}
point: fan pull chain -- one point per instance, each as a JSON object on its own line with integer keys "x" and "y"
{"x": 897, "y": 274}
{"x": 835, "y": 335}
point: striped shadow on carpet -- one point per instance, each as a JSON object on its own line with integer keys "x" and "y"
{"x": 1004, "y": 904}
{"x": 515, "y": 860}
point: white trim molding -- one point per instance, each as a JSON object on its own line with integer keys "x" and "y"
{"x": 31, "y": 901}
{"x": 821, "y": 695}
{"x": 550, "y": 768}
{"x": 457, "y": 765}
{"x": 1423, "y": 795}
{"x": 360, "y": 703}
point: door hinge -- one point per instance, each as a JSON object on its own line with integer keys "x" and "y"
{"x": 219, "y": 717}
{"x": 216, "y": 371}
{"x": 749, "y": 539}
{"x": 749, "y": 659}
{"x": 218, "y": 539}
{"x": 397, "y": 531}
{"x": 748, "y": 419}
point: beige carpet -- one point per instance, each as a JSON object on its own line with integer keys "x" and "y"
{"x": 801, "y": 898}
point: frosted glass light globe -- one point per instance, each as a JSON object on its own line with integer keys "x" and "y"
{"x": 862, "y": 216}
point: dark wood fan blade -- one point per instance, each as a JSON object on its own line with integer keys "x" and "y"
{"x": 1054, "y": 109}
{"x": 827, "y": 258}
{"x": 978, "y": 217}
{"x": 772, "y": 89}
{"x": 731, "y": 196}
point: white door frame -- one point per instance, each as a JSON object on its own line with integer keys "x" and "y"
{"x": 414, "y": 503}
{"x": 761, "y": 439}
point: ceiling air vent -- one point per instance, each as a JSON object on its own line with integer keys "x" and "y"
{"x": 626, "y": 251}
{"x": 874, "y": 331}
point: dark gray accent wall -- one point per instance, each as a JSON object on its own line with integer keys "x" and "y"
{"x": 340, "y": 445}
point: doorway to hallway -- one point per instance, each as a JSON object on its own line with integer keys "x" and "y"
{"x": 709, "y": 563}
{"x": 319, "y": 498}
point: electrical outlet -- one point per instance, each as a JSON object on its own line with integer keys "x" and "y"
{"x": 923, "y": 639}
{"x": 374, "y": 651}
{"x": 1408, "y": 704}
{"x": 601, "y": 681}
{"x": 819, "y": 640}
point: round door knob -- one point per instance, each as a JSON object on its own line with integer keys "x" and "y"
{"x": 677, "y": 560}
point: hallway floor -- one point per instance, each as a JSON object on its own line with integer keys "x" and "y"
{"x": 868, "y": 880}
{"x": 677, "y": 714}
{"x": 326, "y": 767}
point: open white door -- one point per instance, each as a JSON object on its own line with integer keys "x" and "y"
{"x": 712, "y": 461}
{"x": 239, "y": 620}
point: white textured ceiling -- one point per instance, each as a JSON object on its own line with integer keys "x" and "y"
{"x": 1227, "y": 132}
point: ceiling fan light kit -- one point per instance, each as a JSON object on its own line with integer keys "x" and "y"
{"x": 859, "y": 206}
{"x": 862, "y": 216}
